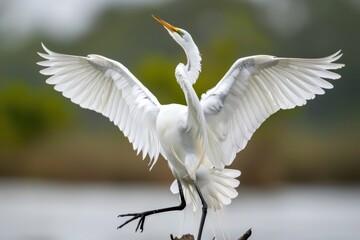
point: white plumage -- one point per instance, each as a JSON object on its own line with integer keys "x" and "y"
{"x": 107, "y": 87}
{"x": 200, "y": 139}
{"x": 256, "y": 87}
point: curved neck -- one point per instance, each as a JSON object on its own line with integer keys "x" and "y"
{"x": 196, "y": 117}
{"x": 193, "y": 65}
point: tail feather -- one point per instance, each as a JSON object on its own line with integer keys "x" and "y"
{"x": 216, "y": 185}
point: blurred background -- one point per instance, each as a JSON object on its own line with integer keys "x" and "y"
{"x": 66, "y": 172}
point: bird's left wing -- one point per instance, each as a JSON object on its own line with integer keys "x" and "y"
{"x": 107, "y": 87}
{"x": 256, "y": 87}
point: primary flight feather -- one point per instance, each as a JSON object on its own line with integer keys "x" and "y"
{"x": 198, "y": 140}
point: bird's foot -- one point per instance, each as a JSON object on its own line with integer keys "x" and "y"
{"x": 135, "y": 216}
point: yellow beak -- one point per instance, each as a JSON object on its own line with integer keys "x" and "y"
{"x": 168, "y": 26}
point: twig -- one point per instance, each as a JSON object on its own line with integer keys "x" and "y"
{"x": 246, "y": 235}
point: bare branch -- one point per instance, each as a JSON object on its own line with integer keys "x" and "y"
{"x": 191, "y": 237}
{"x": 184, "y": 237}
{"x": 246, "y": 235}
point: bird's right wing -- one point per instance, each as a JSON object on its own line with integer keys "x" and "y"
{"x": 107, "y": 87}
{"x": 256, "y": 87}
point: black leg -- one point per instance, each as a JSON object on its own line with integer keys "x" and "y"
{"x": 143, "y": 215}
{"x": 204, "y": 212}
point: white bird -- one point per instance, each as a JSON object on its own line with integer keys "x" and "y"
{"x": 198, "y": 140}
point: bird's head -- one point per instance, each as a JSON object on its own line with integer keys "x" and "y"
{"x": 182, "y": 37}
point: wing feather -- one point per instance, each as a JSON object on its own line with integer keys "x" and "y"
{"x": 256, "y": 87}
{"x": 107, "y": 87}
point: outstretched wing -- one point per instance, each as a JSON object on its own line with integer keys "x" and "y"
{"x": 256, "y": 87}
{"x": 107, "y": 87}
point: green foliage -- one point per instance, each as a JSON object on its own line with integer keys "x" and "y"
{"x": 27, "y": 113}
{"x": 224, "y": 31}
{"x": 157, "y": 73}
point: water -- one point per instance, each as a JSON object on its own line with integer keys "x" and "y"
{"x": 60, "y": 211}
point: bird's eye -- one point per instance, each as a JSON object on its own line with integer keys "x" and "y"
{"x": 181, "y": 33}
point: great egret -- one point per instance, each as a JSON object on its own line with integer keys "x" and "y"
{"x": 200, "y": 139}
